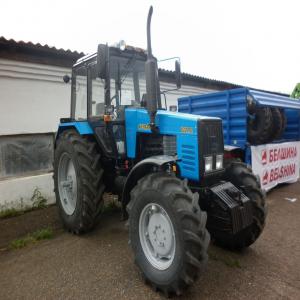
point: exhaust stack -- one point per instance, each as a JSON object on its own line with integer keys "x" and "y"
{"x": 151, "y": 74}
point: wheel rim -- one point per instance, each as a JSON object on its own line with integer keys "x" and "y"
{"x": 157, "y": 236}
{"x": 67, "y": 183}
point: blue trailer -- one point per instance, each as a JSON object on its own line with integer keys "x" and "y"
{"x": 232, "y": 106}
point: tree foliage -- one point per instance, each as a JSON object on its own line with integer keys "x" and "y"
{"x": 296, "y": 91}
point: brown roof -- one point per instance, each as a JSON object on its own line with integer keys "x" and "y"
{"x": 37, "y": 53}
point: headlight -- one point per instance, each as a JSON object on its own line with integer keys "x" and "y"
{"x": 219, "y": 161}
{"x": 208, "y": 161}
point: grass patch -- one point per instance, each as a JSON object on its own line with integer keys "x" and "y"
{"x": 38, "y": 202}
{"x": 225, "y": 259}
{"x": 11, "y": 212}
{"x": 21, "y": 243}
{"x": 42, "y": 234}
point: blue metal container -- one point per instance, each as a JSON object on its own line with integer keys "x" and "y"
{"x": 231, "y": 107}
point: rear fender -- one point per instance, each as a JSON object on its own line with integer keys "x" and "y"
{"x": 83, "y": 128}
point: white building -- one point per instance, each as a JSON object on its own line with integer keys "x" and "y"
{"x": 33, "y": 98}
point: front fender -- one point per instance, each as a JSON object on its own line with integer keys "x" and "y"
{"x": 140, "y": 170}
{"x": 233, "y": 152}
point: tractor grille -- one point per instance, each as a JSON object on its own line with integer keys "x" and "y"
{"x": 210, "y": 140}
{"x": 151, "y": 145}
{"x": 169, "y": 145}
{"x": 188, "y": 157}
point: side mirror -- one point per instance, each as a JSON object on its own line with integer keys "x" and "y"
{"x": 66, "y": 78}
{"x": 101, "y": 60}
{"x": 178, "y": 74}
{"x": 173, "y": 108}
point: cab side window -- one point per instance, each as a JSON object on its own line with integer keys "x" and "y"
{"x": 96, "y": 92}
{"x": 81, "y": 93}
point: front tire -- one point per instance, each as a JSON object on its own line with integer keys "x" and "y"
{"x": 78, "y": 181}
{"x": 167, "y": 232}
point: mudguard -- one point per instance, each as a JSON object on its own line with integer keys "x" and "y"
{"x": 82, "y": 127}
{"x": 140, "y": 170}
{"x": 233, "y": 152}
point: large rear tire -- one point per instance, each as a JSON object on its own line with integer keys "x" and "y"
{"x": 78, "y": 181}
{"x": 260, "y": 126}
{"x": 167, "y": 232}
{"x": 284, "y": 120}
{"x": 277, "y": 125}
{"x": 242, "y": 177}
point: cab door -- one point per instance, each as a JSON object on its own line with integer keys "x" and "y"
{"x": 108, "y": 134}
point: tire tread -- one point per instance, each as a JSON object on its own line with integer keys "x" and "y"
{"x": 91, "y": 176}
{"x": 193, "y": 222}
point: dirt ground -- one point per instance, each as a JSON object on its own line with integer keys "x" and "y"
{"x": 99, "y": 265}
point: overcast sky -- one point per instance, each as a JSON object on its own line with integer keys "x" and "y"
{"x": 254, "y": 43}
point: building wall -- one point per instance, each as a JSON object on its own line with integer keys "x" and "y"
{"x": 33, "y": 98}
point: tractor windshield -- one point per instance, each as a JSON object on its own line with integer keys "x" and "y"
{"x": 127, "y": 80}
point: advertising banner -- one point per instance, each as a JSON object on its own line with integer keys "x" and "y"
{"x": 276, "y": 163}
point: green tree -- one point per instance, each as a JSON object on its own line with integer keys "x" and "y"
{"x": 296, "y": 91}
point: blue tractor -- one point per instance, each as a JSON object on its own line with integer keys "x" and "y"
{"x": 166, "y": 167}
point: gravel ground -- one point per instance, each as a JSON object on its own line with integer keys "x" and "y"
{"x": 99, "y": 265}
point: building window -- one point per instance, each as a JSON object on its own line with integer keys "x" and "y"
{"x": 24, "y": 155}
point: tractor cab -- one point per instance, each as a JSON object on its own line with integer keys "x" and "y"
{"x": 103, "y": 84}
{"x": 120, "y": 83}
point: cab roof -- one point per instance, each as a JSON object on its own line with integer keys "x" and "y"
{"x": 129, "y": 51}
